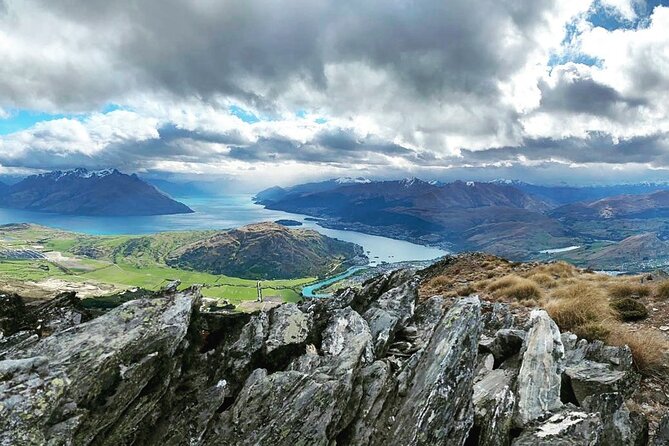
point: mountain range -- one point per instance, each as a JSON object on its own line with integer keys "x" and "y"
{"x": 83, "y": 192}
{"x": 513, "y": 219}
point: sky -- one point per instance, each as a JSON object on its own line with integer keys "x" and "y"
{"x": 253, "y": 93}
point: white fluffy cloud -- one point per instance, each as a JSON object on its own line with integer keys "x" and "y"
{"x": 382, "y": 86}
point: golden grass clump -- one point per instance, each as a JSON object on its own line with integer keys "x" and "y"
{"x": 440, "y": 282}
{"x": 466, "y": 290}
{"x": 633, "y": 290}
{"x": 559, "y": 269}
{"x": 515, "y": 288}
{"x": 503, "y": 282}
{"x": 648, "y": 348}
{"x": 579, "y": 304}
{"x": 662, "y": 290}
{"x": 543, "y": 280}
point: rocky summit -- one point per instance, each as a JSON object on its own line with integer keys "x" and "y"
{"x": 373, "y": 366}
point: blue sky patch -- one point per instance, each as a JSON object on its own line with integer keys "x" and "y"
{"x": 21, "y": 119}
{"x": 243, "y": 114}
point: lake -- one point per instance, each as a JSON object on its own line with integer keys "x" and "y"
{"x": 220, "y": 213}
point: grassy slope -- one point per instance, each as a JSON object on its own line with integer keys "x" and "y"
{"x": 127, "y": 261}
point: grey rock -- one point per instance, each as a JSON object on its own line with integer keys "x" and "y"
{"x": 570, "y": 427}
{"x": 494, "y": 403}
{"x": 620, "y": 426}
{"x": 569, "y": 340}
{"x": 434, "y": 395}
{"x": 588, "y": 378}
{"x": 288, "y": 327}
{"x": 72, "y": 387}
{"x": 312, "y": 396}
{"x": 504, "y": 344}
{"x": 390, "y": 312}
{"x": 496, "y": 316}
{"x": 539, "y": 378}
{"x": 620, "y": 358}
{"x": 662, "y": 433}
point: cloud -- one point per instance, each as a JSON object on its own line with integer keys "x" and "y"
{"x": 400, "y": 85}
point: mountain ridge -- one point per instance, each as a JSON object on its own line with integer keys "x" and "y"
{"x": 94, "y": 193}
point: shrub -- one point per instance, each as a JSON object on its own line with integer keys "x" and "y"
{"x": 648, "y": 348}
{"x": 627, "y": 290}
{"x": 575, "y": 305}
{"x": 593, "y": 331}
{"x": 662, "y": 290}
{"x": 630, "y": 309}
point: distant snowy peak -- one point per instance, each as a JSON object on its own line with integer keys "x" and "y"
{"x": 350, "y": 180}
{"x": 408, "y": 182}
{"x": 508, "y": 182}
{"x": 78, "y": 173}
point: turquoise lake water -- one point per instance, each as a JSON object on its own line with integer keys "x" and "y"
{"x": 220, "y": 213}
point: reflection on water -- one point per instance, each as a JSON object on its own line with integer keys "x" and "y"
{"x": 220, "y": 213}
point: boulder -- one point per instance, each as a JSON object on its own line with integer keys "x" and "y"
{"x": 494, "y": 403}
{"x": 434, "y": 394}
{"x": 288, "y": 328}
{"x": 390, "y": 313}
{"x": 75, "y": 386}
{"x": 620, "y": 426}
{"x": 539, "y": 378}
{"x": 662, "y": 432}
{"x": 588, "y": 378}
{"x": 496, "y": 316}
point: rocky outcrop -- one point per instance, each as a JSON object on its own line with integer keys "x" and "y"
{"x": 369, "y": 367}
{"x": 539, "y": 378}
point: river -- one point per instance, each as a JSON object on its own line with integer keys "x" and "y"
{"x": 221, "y": 213}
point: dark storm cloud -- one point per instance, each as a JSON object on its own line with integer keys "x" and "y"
{"x": 585, "y": 95}
{"x": 221, "y": 47}
{"x": 335, "y": 148}
{"x": 597, "y": 148}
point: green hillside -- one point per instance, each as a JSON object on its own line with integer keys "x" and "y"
{"x": 43, "y": 256}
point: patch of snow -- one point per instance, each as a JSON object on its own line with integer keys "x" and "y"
{"x": 350, "y": 180}
{"x": 471, "y": 183}
{"x": 79, "y": 172}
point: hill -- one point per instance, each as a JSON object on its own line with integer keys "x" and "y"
{"x": 563, "y": 194}
{"x": 460, "y": 215}
{"x": 650, "y": 205}
{"x": 266, "y": 250}
{"x": 95, "y": 193}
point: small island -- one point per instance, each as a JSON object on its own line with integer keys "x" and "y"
{"x": 287, "y": 222}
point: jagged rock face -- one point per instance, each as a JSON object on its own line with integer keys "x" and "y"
{"x": 370, "y": 367}
{"x": 539, "y": 379}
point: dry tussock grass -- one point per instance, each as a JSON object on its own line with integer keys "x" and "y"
{"x": 626, "y": 289}
{"x": 662, "y": 290}
{"x": 543, "y": 279}
{"x": 514, "y": 287}
{"x": 578, "y": 304}
{"x": 648, "y": 347}
{"x": 560, "y": 270}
